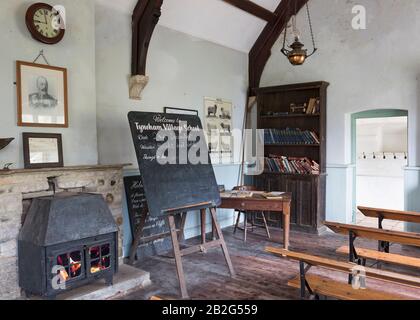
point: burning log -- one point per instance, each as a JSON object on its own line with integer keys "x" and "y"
{"x": 64, "y": 276}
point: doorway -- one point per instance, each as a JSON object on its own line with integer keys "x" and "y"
{"x": 380, "y": 146}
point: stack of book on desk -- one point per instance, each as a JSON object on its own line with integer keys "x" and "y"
{"x": 252, "y": 194}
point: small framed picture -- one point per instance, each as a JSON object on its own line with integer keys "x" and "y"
{"x": 180, "y": 111}
{"x": 41, "y": 95}
{"x": 42, "y": 150}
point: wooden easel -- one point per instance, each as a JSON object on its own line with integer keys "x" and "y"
{"x": 138, "y": 238}
{"x": 217, "y": 239}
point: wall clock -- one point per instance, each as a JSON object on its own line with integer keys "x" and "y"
{"x": 43, "y": 22}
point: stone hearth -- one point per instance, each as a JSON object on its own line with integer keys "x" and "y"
{"x": 19, "y": 187}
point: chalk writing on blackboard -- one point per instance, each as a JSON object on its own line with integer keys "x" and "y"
{"x": 137, "y": 208}
{"x": 171, "y": 185}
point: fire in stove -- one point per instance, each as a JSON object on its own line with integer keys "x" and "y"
{"x": 100, "y": 258}
{"x": 85, "y": 250}
{"x": 71, "y": 264}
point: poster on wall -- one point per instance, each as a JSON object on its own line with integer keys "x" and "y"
{"x": 41, "y": 95}
{"x": 218, "y": 125}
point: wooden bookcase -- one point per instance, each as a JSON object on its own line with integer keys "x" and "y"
{"x": 308, "y": 203}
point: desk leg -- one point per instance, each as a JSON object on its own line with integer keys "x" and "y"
{"x": 286, "y": 225}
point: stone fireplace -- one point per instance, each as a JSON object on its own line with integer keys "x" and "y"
{"x": 18, "y": 188}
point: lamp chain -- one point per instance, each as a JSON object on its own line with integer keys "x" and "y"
{"x": 285, "y": 32}
{"x": 310, "y": 25}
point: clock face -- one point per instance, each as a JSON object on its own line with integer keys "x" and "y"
{"x": 44, "y": 23}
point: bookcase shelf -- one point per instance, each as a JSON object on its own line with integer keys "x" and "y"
{"x": 292, "y": 145}
{"x": 286, "y": 116}
{"x": 308, "y": 190}
{"x": 290, "y": 174}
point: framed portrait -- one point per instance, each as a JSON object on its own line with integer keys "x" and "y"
{"x": 42, "y": 150}
{"x": 41, "y": 95}
{"x": 180, "y": 111}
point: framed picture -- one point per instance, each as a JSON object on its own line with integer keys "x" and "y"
{"x": 41, "y": 95}
{"x": 218, "y": 119}
{"x": 42, "y": 150}
{"x": 180, "y": 111}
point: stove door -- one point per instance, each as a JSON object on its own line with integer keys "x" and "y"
{"x": 66, "y": 267}
{"x": 100, "y": 258}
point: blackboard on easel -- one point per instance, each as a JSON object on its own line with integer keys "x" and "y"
{"x": 167, "y": 149}
{"x": 177, "y": 185}
{"x": 137, "y": 208}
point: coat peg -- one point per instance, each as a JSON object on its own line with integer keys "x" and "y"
{"x": 405, "y": 156}
{"x": 374, "y": 155}
{"x": 384, "y": 156}
{"x": 395, "y": 156}
{"x": 364, "y": 155}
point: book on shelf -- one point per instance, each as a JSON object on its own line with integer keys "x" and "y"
{"x": 313, "y": 106}
{"x": 290, "y": 136}
{"x": 292, "y": 165}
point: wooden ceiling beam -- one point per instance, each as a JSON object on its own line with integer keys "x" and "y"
{"x": 252, "y": 8}
{"x": 145, "y": 17}
{"x": 261, "y": 51}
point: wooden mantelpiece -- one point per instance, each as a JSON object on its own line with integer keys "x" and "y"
{"x": 19, "y": 187}
{"x": 69, "y": 168}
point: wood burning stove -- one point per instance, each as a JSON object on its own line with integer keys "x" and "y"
{"x": 67, "y": 240}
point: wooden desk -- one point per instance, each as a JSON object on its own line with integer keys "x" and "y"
{"x": 381, "y": 214}
{"x": 258, "y": 204}
{"x": 383, "y": 236}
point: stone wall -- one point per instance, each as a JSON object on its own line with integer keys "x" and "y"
{"x": 17, "y": 186}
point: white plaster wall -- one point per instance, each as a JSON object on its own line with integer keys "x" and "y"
{"x": 366, "y": 70}
{"x": 339, "y": 193}
{"x": 388, "y": 135}
{"x": 380, "y": 182}
{"x": 76, "y": 52}
{"x": 182, "y": 69}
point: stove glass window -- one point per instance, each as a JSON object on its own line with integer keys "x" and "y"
{"x": 71, "y": 264}
{"x": 100, "y": 258}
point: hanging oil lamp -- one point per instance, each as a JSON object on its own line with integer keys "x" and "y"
{"x": 298, "y": 55}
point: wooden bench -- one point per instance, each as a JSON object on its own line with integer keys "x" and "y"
{"x": 307, "y": 261}
{"x": 383, "y": 236}
{"x": 382, "y": 257}
{"x": 339, "y": 290}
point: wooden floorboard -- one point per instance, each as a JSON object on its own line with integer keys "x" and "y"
{"x": 260, "y": 275}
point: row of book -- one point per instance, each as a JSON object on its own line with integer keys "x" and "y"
{"x": 291, "y": 165}
{"x": 290, "y": 136}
